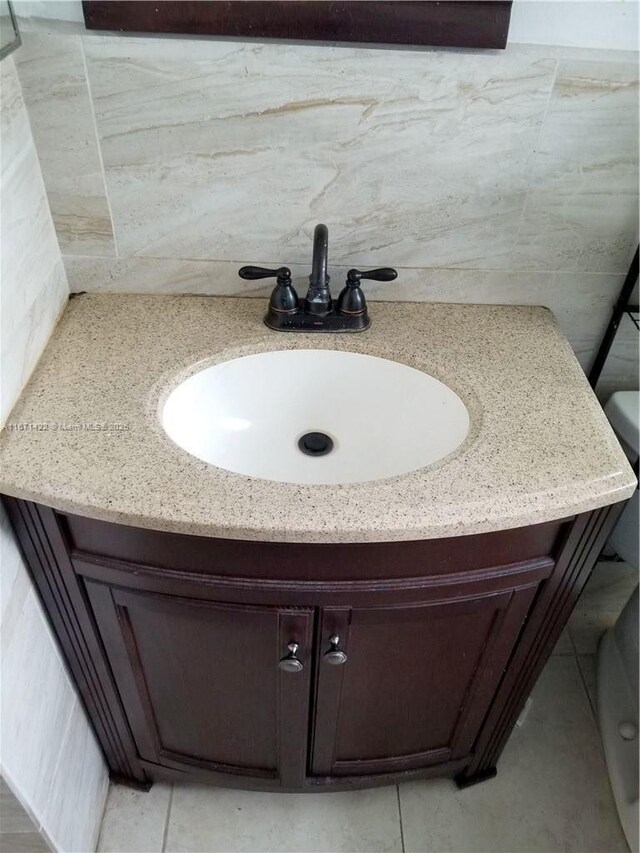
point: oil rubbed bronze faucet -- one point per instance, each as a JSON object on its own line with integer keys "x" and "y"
{"x": 318, "y": 312}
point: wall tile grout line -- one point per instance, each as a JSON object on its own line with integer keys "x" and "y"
{"x": 41, "y": 182}
{"x": 166, "y": 822}
{"x": 99, "y": 147}
{"x": 619, "y": 274}
{"x": 586, "y": 689}
{"x": 576, "y": 657}
{"x": 536, "y": 149}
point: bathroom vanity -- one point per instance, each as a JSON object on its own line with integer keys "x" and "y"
{"x": 306, "y": 636}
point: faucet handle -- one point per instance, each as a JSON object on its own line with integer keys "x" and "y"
{"x": 284, "y": 299}
{"x": 380, "y": 274}
{"x": 352, "y": 299}
{"x": 283, "y": 274}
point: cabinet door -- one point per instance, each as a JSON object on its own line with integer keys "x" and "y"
{"x": 416, "y": 683}
{"x": 201, "y": 684}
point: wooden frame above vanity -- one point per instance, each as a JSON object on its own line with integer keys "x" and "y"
{"x": 450, "y": 23}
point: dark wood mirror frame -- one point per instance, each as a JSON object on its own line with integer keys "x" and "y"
{"x": 449, "y": 23}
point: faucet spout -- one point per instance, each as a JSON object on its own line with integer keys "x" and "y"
{"x": 318, "y": 299}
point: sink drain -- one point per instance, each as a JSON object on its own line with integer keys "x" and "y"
{"x": 315, "y": 444}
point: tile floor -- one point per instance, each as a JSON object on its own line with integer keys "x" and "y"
{"x": 18, "y": 832}
{"x": 551, "y": 794}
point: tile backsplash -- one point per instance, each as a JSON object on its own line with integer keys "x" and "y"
{"x": 482, "y": 176}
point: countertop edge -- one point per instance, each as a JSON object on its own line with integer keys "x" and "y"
{"x": 319, "y": 537}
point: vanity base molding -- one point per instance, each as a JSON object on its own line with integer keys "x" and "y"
{"x": 469, "y": 781}
{"x": 176, "y": 644}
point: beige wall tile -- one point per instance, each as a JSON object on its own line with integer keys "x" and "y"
{"x": 582, "y": 208}
{"x": 167, "y": 275}
{"x": 52, "y": 73}
{"x": 218, "y": 154}
{"x": 218, "y": 150}
{"x": 34, "y": 286}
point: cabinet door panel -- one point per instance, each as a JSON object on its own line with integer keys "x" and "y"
{"x": 417, "y": 682}
{"x": 200, "y": 680}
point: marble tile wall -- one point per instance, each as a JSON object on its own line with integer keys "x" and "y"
{"x": 34, "y": 286}
{"x": 64, "y": 131}
{"x": 48, "y": 756}
{"x": 499, "y": 176}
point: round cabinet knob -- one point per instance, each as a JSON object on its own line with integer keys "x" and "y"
{"x": 335, "y": 656}
{"x": 291, "y": 662}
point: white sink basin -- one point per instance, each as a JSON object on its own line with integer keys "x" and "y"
{"x": 249, "y": 414}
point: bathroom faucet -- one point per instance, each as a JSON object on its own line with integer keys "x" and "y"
{"x": 317, "y": 312}
{"x": 318, "y": 299}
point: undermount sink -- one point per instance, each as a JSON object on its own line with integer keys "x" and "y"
{"x": 315, "y": 417}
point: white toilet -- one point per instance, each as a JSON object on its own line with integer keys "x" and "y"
{"x": 618, "y": 658}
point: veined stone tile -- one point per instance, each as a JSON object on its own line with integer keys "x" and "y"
{"x": 27, "y": 253}
{"x": 215, "y": 150}
{"x": 581, "y": 302}
{"x": 52, "y": 73}
{"x": 170, "y": 275}
{"x": 582, "y": 211}
{"x": 578, "y": 230}
{"x": 34, "y": 285}
{"x": 24, "y": 336}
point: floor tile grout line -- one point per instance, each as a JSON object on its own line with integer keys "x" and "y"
{"x": 400, "y": 818}
{"x": 166, "y": 821}
{"x": 574, "y": 650}
{"x": 576, "y": 657}
{"x": 586, "y": 689}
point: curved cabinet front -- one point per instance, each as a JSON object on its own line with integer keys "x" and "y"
{"x": 290, "y": 667}
{"x": 416, "y": 684}
{"x": 201, "y": 685}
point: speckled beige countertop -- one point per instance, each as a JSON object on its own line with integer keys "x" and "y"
{"x": 539, "y": 448}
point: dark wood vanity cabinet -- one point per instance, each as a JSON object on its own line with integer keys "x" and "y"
{"x": 200, "y": 683}
{"x": 301, "y": 667}
{"x": 417, "y": 681}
